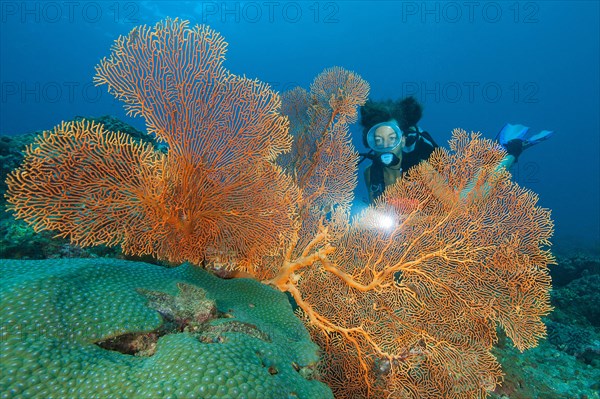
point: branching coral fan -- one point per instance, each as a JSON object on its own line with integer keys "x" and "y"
{"x": 408, "y": 311}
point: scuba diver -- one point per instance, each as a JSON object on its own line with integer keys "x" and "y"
{"x": 397, "y": 143}
{"x": 395, "y": 140}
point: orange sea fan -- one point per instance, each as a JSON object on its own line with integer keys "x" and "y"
{"x": 411, "y": 308}
{"x": 78, "y": 171}
{"x": 323, "y": 160}
{"x": 216, "y": 193}
{"x": 173, "y": 76}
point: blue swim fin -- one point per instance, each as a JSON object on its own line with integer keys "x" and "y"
{"x": 511, "y": 132}
{"x": 536, "y": 138}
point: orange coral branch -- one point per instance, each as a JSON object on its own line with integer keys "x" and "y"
{"x": 289, "y": 267}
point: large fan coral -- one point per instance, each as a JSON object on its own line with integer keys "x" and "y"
{"x": 223, "y": 132}
{"x": 407, "y": 310}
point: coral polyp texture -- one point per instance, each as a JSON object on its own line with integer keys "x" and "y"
{"x": 262, "y": 186}
{"x": 61, "y": 320}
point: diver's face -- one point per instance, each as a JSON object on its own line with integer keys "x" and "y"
{"x": 386, "y": 138}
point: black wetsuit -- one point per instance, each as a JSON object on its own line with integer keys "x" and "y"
{"x": 423, "y": 147}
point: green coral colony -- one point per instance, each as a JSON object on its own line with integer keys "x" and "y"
{"x": 67, "y": 323}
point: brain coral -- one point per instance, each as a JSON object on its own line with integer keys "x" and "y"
{"x": 61, "y": 319}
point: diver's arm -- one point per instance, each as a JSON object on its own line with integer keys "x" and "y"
{"x": 513, "y": 151}
{"x": 513, "y": 147}
{"x": 514, "y": 139}
{"x": 505, "y": 163}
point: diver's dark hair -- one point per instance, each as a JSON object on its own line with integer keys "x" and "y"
{"x": 372, "y": 113}
{"x": 407, "y": 112}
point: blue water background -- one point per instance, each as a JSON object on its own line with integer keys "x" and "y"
{"x": 474, "y": 65}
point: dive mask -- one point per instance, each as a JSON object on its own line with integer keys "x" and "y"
{"x": 384, "y": 137}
